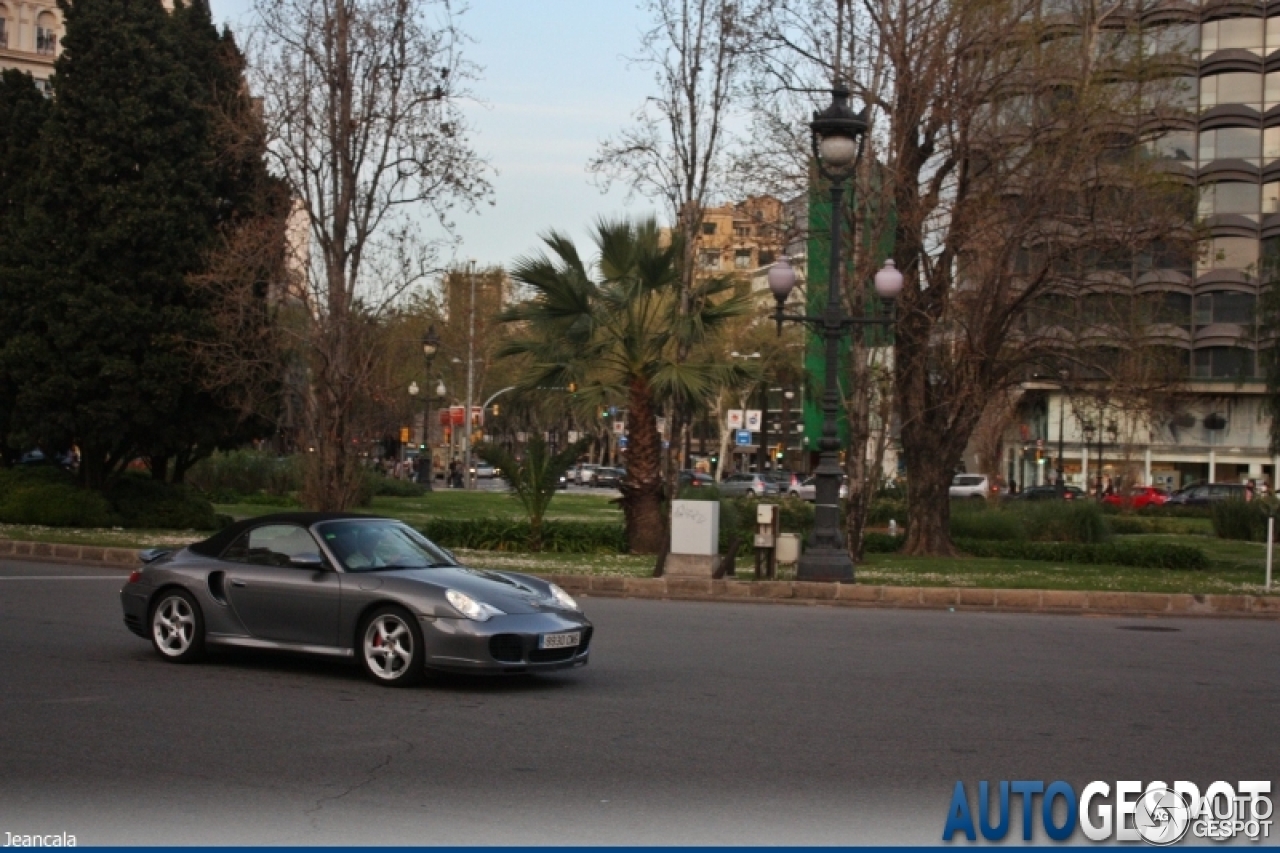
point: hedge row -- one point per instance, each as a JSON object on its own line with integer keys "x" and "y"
{"x": 500, "y": 534}
{"x": 49, "y": 497}
{"x": 1143, "y": 556}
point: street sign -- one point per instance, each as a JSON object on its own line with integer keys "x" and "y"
{"x": 754, "y": 420}
{"x": 622, "y": 442}
{"x": 735, "y": 419}
{"x": 573, "y": 436}
{"x": 619, "y": 427}
{"x": 742, "y": 437}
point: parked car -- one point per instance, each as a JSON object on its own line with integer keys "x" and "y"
{"x": 607, "y": 478}
{"x": 350, "y": 586}
{"x": 807, "y": 489}
{"x": 753, "y": 485}
{"x": 584, "y": 474}
{"x": 970, "y": 486}
{"x": 1210, "y": 493}
{"x": 695, "y": 479}
{"x": 1138, "y": 497}
{"x": 1049, "y": 492}
{"x": 483, "y": 471}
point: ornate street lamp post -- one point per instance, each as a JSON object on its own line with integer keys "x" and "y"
{"x": 837, "y": 134}
{"x": 430, "y": 346}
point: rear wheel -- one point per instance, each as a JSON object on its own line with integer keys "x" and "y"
{"x": 177, "y": 627}
{"x": 390, "y": 647}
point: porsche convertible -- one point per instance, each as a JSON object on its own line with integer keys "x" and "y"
{"x": 349, "y": 585}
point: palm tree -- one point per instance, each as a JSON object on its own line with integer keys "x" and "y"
{"x": 613, "y": 331}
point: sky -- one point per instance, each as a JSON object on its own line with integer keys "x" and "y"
{"x": 554, "y": 83}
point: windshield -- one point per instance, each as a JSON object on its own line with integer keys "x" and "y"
{"x": 376, "y": 545}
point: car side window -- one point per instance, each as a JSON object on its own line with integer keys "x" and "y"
{"x": 272, "y": 545}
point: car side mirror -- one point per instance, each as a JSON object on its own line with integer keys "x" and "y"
{"x": 307, "y": 561}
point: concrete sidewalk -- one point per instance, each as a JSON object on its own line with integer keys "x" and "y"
{"x": 803, "y": 592}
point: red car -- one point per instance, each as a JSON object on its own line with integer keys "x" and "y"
{"x": 1138, "y": 497}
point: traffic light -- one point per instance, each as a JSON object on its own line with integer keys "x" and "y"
{"x": 448, "y": 433}
{"x": 604, "y": 412}
{"x": 495, "y": 410}
{"x": 779, "y": 451}
{"x": 573, "y": 387}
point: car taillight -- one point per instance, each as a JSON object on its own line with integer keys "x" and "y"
{"x": 135, "y": 575}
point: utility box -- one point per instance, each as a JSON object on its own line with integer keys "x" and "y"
{"x": 766, "y": 540}
{"x": 695, "y": 539}
{"x": 788, "y": 550}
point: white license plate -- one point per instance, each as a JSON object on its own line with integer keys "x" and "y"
{"x": 560, "y": 641}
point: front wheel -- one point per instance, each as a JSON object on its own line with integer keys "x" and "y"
{"x": 390, "y": 647}
{"x": 177, "y": 627}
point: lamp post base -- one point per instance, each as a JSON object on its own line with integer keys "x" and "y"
{"x": 825, "y": 564}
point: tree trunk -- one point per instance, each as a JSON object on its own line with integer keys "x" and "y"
{"x": 642, "y": 487}
{"x": 929, "y": 507}
{"x": 159, "y": 465}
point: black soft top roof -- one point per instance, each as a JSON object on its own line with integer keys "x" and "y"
{"x": 218, "y": 542}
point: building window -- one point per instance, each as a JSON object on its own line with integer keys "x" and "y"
{"x": 766, "y": 258}
{"x": 1240, "y": 253}
{"x": 1171, "y": 38}
{"x": 1178, "y": 145}
{"x": 1223, "y": 363}
{"x": 1232, "y": 34}
{"x": 1242, "y": 143}
{"x": 1232, "y": 88}
{"x": 1225, "y": 306}
{"x": 742, "y": 259}
{"x": 708, "y": 228}
{"x": 4, "y": 31}
{"x": 46, "y": 41}
{"x": 710, "y": 259}
{"x": 741, "y": 231}
{"x": 1229, "y": 197}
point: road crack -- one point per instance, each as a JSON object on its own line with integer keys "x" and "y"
{"x": 370, "y": 776}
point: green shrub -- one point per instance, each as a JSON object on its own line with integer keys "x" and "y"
{"x": 1235, "y": 519}
{"x": 53, "y": 505}
{"x": 283, "y": 501}
{"x": 1144, "y": 555}
{"x": 1068, "y": 521}
{"x": 139, "y": 501}
{"x": 390, "y": 487}
{"x": 881, "y": 543}
{"x": 501, "y": 534}
{"x": 1126, "y": 525}
{"x": 882, "y": 510}
{"x": 1175, "y": 511}
{"x": 997, "y": 526}
{"x": 227, "y": 476}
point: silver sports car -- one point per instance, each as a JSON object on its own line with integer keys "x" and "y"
{"x": 351, "y": 585}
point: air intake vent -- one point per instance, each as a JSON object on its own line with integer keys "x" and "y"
{"x": 506, "y": 648}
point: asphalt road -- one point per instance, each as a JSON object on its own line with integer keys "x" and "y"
{"x": 694, "y": 723}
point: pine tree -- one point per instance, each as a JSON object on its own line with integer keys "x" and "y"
{"x": 132, "y": 192}
{"x": 23, "y": 111}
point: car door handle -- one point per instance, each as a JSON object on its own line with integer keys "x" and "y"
{"x": 237, "y": 582}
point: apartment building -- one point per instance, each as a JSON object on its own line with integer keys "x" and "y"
{"x": 1226, "y": 145}
{"x": 30, "y": 33}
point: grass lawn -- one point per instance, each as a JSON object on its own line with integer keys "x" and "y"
{"x": 457, "y": 504}
{"x": 111, "y": 537}
{"x": 1236, "y": 566}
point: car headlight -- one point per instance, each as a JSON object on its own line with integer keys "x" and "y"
{"x": 564, "y": 599}
{"x": 475, "y": 610}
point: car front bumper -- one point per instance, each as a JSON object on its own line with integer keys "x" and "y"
{"x": 504, "y": 644}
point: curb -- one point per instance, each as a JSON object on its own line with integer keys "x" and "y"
{"x": 926, "y": 598}
{"x": 806, "y": 592}
{"x": 95, "y": 555}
